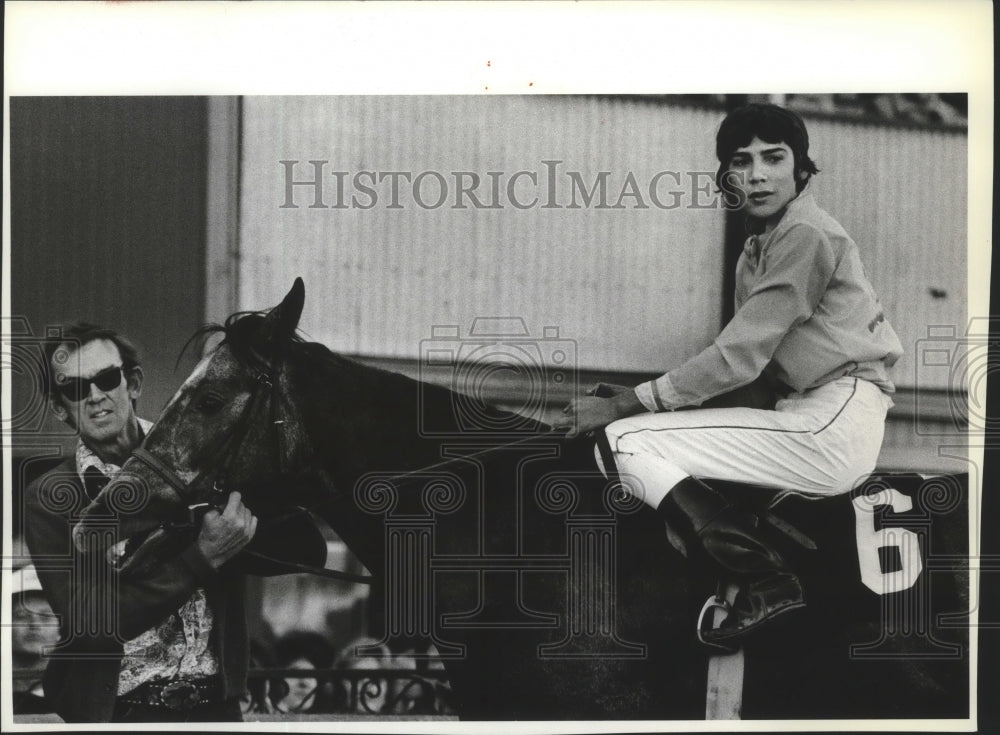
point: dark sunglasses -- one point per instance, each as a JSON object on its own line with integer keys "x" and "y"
{"x": 76, "y": 389}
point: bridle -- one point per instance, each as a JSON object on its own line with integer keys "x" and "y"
{"x": 265, "y": 392}
{"x": 266, "y": 389}
{"x": 265, "y": 385}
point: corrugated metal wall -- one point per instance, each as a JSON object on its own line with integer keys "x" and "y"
{"x": 902, "y": 195}
{"x": 635, "y": 287}
{"x": 639, "y": 289}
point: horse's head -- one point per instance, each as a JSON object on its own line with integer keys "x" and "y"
{"x": 233, "y": 425}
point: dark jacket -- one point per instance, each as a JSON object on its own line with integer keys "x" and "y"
{"x": 98, "y": 611}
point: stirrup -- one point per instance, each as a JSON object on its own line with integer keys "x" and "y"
{"x": 717, "y": 601}
{"x": 765, "y": 608}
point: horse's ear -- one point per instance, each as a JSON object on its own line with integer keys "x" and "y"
{"x": 283, "y": 319}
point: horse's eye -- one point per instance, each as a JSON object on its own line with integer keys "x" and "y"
{"x": 209, "y": 403}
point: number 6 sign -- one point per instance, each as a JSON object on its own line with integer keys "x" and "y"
{"x": 870, "y": 540}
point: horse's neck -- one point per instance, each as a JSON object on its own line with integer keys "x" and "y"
{"x": 360, "y": 422}
{"x": 363, "y": 420}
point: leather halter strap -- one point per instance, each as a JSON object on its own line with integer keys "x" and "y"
{"x": 166, "y": 473}
{"x": 226, "y": 451}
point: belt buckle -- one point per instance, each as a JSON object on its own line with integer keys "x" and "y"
{"x": 178, "y": 695}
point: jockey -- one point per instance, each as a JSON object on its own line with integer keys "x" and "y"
{"x": 807, "y": 324}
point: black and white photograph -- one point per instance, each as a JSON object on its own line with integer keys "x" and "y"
{"x": 368, "y": 365}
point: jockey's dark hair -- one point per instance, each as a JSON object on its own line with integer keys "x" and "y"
{"x": 74, "y": 336}
{"x": 770, "y": 123}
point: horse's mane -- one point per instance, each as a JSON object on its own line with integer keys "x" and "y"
{"x": 383, "y": 409}
{"x": 240, "y": 331}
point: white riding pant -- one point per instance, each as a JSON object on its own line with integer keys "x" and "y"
{"x": 820, "y": 442}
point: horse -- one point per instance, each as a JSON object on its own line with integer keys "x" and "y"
{"x": 547, "y": 592}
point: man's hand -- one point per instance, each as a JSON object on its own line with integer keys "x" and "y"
{"x": 590, "y": 412}
{"x": 224, "y": 534}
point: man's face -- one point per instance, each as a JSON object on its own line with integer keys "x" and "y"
{"x": 34, "y": 626}
{"x": 765, "y": 172}
{"x": 100, "y": 415}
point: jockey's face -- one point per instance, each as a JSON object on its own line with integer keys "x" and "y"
{"x": 102, "y": 416}
{"x": 765, "y": 173}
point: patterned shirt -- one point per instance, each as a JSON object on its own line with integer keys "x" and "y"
{"x": 177, "y": 647}
{"x": 85, "y": 457}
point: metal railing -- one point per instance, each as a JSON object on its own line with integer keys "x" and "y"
{"x": 278, "y": 692}
{"x": 389, "y": 691}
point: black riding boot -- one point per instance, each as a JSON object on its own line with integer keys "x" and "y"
{"x": 732, "y": 541}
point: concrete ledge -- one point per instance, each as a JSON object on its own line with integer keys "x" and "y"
{"x": 921, "y": 460}
{"x": 510, "y": 387}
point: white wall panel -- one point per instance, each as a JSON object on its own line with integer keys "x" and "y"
{"x": 902, "y": 195}
{"x": 638, "y": 289}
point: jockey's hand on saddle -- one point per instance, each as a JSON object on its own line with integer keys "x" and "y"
{"x": 223, "y": 535}
{"x": 594, "y": 412}
{"x": 608, "y": 390}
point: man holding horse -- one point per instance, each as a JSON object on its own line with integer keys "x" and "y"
{"x": 170, "y": 646}
{"x": 808, "y": 325}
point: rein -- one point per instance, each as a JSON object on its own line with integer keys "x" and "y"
{"x": 401, "y": 478}
{"x": 216, "y": 496}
